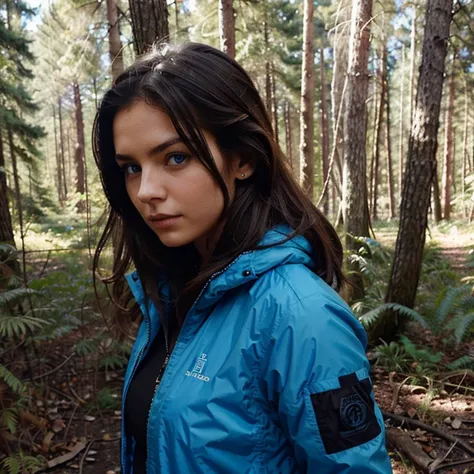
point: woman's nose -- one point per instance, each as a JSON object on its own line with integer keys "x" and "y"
{"x": 152, "y": 186}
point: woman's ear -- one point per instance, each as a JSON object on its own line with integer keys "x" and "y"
{"x": 242, "y": 169}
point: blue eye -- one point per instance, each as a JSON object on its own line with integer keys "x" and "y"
{"x": 177, "y": 159}
{"x": 130, "y": 168}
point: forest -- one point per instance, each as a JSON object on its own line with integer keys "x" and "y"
{"x": 372, "y": 104}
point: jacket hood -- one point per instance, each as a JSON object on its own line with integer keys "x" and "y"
{"x": 247, "y": 267}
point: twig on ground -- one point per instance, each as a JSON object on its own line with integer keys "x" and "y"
{"x": 84, "y": 456}
{"x": 441, "y": 434}
{"x": 53, "y": 370}
{"x": 437, "y": 462}
{"x": 70, "y": 421}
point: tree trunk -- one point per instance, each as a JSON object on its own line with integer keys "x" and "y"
{"x": 80, "y": 148}
{"x": 388, "y": 147}
{"x": 6, "y": 227}
{"x": 288, "y": 135}
{"x": 149, "y": 23}
{"x": 274, "y": 103}
{"x": 324, "y": 127}
{"x": 355, "y": 207}
{"x": 374, "y": 138}
{"x": 402, "y": 128}
{"x": 421, "y": 166}
{"x": 378, "y": 133}
{"x": 268, "y": 79}
{"x": 339, "y": 80}
{"x": 412, "y": 68}
{"x": 438, "y": 216}
{"x": 448, "y": 148}
{"x": 227, "y": 27}
{"x": 61, "y": 148}
{"x": 115, "y": 44}
{"x": 59, "y": 172}
{"x": 465, "y": 152}
{"x": 307, "y": 102}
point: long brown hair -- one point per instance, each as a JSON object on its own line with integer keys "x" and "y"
{"x": 201, "y": 88}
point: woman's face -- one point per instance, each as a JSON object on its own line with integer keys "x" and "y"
{"x": 170, "y": 188}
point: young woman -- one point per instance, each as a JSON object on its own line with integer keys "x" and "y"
{"x": 246, "y": 358}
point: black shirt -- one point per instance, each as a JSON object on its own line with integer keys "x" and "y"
{"x": 139, "y": 397}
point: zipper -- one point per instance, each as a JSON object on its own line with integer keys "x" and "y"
{"x": 137, "y": 361}
{"x": 168, "y": 355}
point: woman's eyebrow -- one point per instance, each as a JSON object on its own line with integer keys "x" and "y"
{"x": 153, "y": 151}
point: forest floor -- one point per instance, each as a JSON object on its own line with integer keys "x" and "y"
{"x": 77, "y": 407}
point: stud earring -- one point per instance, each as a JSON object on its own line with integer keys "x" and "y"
{"x": 243, "y": 175}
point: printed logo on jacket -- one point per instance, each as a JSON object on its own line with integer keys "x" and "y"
{"x": 198, "y": 368}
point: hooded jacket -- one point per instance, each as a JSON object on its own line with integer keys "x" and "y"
{"x": 268, "y": 375}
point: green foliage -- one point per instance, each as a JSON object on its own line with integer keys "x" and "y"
{"x": 9, "y": 418}
{"x": 405, "y": 356}
{"x": 370, "y": 317}
{"x": 15, "y": 384}
{"x": 22, "y": 464}
{"x": 106, "y": 400}
{"x": 464, "y": 362}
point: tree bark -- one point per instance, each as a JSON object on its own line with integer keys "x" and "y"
{"x": 378, "y": 133}
{"x": 274, "y": 103}
{"x": 288, "y": 135}
{"x": 438, "y": 215}
{"x": 61, "y": 148}
{"x": 402, "y": 128}
{"x": 59, "y": 172}
{"x": 324, "y": 127}
{"x": 388, "y": 147}
{"x": 115, "y": 44}
{"x": 339, "y": 79}
{"x": 80, "y": 147}
{"x": 412, "y": 68}
{"x": 227, "y": 27}
{"x": 307, "y": 102}
{"x": 448, "y": 148}
{"x": 355, "y": 207}
{"x": 421, "y": 166}
{"x": 149, "y": 23}
{"x": 465, "y": 153}
{"x": 6, "y": 227}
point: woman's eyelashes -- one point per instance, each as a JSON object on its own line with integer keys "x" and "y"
{"x": 175, "y": 159}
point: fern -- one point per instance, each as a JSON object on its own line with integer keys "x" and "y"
{"x": 12, "y": 464}
{"x": 369, "y": 318}
{"x": 19, "y": 325}
{"x": 15, "y": 295}
{"x": 461, "y": 324}
{"x": 449, "y": 300}
{"x": 86, "y": 346}
{"x": 113, "y": 362}
{"x": 16, "y": 385}
{"x": 464, "y": 362}
{"x": 20, "y": 463}
{"x": 420, "y": 355}
{"x": 8, "y": 418}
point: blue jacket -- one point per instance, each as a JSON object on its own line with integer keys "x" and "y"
{"x": 268, "y": 374}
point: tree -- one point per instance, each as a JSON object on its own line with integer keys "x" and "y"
{"x": 355, "y": 207}
{"x": 420, "y": 170}
{"x": 307, "y": 102}
{"x": 227, "y": 27}
{"x": 115, "y": 45}
{"x": 149, "y": 23}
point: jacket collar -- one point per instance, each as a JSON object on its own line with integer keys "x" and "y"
{"x": 246, "y": 267}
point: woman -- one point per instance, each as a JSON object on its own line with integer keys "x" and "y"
{"x": 246, "y": 360}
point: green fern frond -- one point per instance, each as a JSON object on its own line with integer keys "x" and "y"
{"x": 8, "y": 418}
{"x": 369, "y": 318}
{"x": 16, "y": 385}
{"x": 86, "y": 346}
{"x": 112, "y": 362}
{"x": 449, "y": 300}
{"x": 461, "y": 324}
{"x": 13, "y": 296}
{"x": 19, "y": 325}
{"x": 12, "y": 465}
{"x": 464, "y": 362}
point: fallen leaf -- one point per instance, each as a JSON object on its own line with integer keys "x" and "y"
{"x": 456, "y": 423}
{"x": 58, "y": 425}
{"x": 89, "y": 418}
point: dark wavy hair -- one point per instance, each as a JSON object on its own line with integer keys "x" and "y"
{"x": 201, "y": 88}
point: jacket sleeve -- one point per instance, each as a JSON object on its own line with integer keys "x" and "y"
{"x": 316, "y": 375}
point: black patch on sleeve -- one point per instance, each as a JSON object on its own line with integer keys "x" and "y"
{"x": 346, "y": 415}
